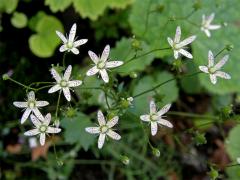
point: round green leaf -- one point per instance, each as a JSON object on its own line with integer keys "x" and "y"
{"x": 19, "y": 20}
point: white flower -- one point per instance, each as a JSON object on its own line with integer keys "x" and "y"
{"x": 42, "y": 127}
{"x": 206, "y": 24}
{"x": 101, "y": 64}
{"x": 104, "y": 129}
{"x": 31, "y": 105}
{"x": 155, "y": 117}
{"x": 63, "y": 82}
{"x": 178, "y": 47}
{"x": 70, "y": 43}
{"x": 213, "y": 70}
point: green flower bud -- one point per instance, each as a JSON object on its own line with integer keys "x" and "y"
{"x": 160, "y": 8}
{"x": 197, "y": 5}
{"x": 133, "y": 75}
{"x": 60, "y": 163}
{"x": 136, "y": 44}
{"x": 229, "y": 47}
{"x": 125, "y": 160}
{"x": 200, "y": 139}
{"x": 156, "y": 152}
{"x": 71, "y": 112}
{"x": 213, "y": 173}
{"x": 5, "y": 77}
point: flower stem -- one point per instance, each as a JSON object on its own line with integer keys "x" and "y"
{"x": 220, "y": 52}
{"x": 165, "y": 82}
{"x": 58, "y": 102}
{"x": 64, "y": 57}
{"x": 23, "y": 85}
{"x": 149, "y": 52}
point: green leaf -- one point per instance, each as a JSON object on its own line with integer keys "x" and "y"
{"x": 58, "y": 5}
{"x": 75, "y": 130}
{"x": 94, "y": 8}
{"x": 44, "y": 43}
{"x": 8, "y": 6}
{"x": 123, "y": 52}
{"x": 35, "y": 19}
{"x": 166, "y": 93}
{"x": 153, "y": 25}
{"x": 19, "y": 20}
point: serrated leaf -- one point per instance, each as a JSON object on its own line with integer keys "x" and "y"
{"x": 94, "y": 8}
{"x": 75, "y": 130}
{"x": 168, "y": 92}
{"x": 123, "y": 52}
{"x": 58, "y": 5}
{"x": 44, "y": 43}
{"x": 19, "y": 20}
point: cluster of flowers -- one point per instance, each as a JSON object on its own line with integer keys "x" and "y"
{"x": 101, "y": 65}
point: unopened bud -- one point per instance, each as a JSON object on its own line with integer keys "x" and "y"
{"x": 156, "y": 152}
{"x": 5, "y": 77}
{"x": 125, "y": 160}
{"x": 133, "y": 75}
{"x": 229, "y": 47}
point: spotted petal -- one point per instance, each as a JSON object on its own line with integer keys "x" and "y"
{"x": 32, "y": 132}
{"x": 170, "y": 41}
{"x": 93, "y": 57}
{"x": 185, "y": 53}
{"x": 66, "y": 93}
{"x": 145, "y": 117}
{"x": 72, "y": 33}
{"x": 67, "y": 73}
{"x": 31, "y": 96}
{"x": 42, "y": 138}
{"x": 41, "y": 103}
{"x": 55, "y": 75}
{"x": 113, "y": 135}
{"x": 20, "y": 104}
{"x": 210, "y": 59}
{"x": 164, "y": 110}
{"x": 53, "y": 130}
{"x": 92, "y": 130}
{"x": 177, "y": 35}
{"x": 154, "y": 128}
{"x": 165, "y": 123}
{"x": 38, "y": 114}
{"x": 61, "y": 36}
{"x": 204, "y": 69}
{"x": 35, "y": 120}
{"x": 101, "y": 140}
{"x": 221, "y": 62}
{"x": 213, "y": 78}
{"x": 152, "y": 107}
{"x": 104, "y": 75}
{"x": 223, "y": 75}
{"x": 101, "y": 118}
{"x": 75, "y": 50}
{"x": 79, "y": 42}
{"x": 25, "y": 115}
{"x": 74, "y": 83}
{"x": 113, "y": 64}
{"x": 105, "y": 53}
{"x": 54, "y": 88}
{"x": 94, "y": 70}
{"x": 186, "y": 41}
{"x": 112, "y": 122}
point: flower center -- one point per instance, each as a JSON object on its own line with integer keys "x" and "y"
{"x": 43, "y": 128}
{"x": 103, "y": 129}
{"x": 211, "y": 70}
{"x": 101, "y": 65}
{"x": 31, "y": 104}
{"x": 69, "y": 45}
{"x": 154, "y": 117}
{"x": 63, "y": 83}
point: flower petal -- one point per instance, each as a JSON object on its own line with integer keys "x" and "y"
{"x": 207, "y": 32}
{"x": 165, "y": 123}
{"x": 66, "y": 93}
{"x": 72, "y": 33}
{"x": 42, "y": 138}
{"x": 177, "y": 35}
{"x": 38, "y": 114}
{"x": 112, "y": 122}
{"x": 47, "y": 119}
{"x": 203, "y": 69}
{"x": 25, "y": 115}
{"x": 210, "y": 59}
{"x": 214, "y": 27}
{"x": 53, "y": 130}
{"x": 145, "y": 117}
{"x": 61, "y": 36}
{"x": 79, "y": 42}
{"x": 74, "y": 83}
{"x": 54, "y": 88}
{"x": 31, "y": 96}
{"x": 152, "y": 107}
{"x": 210, "y": 18}
{"x": 35, "y": 120}
{"x": 32, "y": 132}
{"x": 175, "y": 54}
{"x": 170, "y": 41}
{"x": 185, "y": 53}
{"x": 104, "y": 75}
{"x": 113, "y": 135}
{"x": 93, "y": 57}
{"x": 101, "y": 118}
{"x": 67, "y": 73}
{"x": 222, "y": 75}
{"x": 105, "y": 53}
{"x": 213, "y": 78}
{"x": 75, "y": 50}
{"x": 41, "y": 103}
{"x": 55, "y": 75}
{"x": 101, "y": 140}
{"x": 164, "y": 110}
{"x": 221, "y": 62}
{"x": 154, "y": 128}
{"x": 20, "y": 104}
{"x": 92, "y": 130}
{"x": 63, "y": 48}
{"x": 94, "y": 70}
{"x": 113, "y": 64}
{"x": 186, "y": 41}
